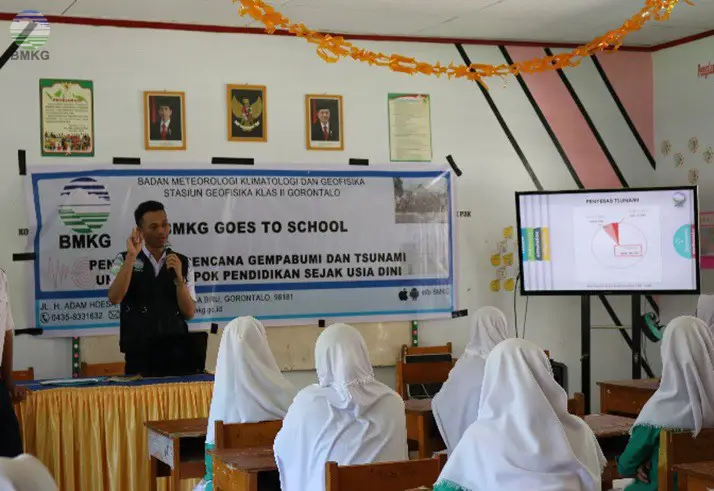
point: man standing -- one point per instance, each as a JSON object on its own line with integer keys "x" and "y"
{"x": 10, "y": 439}
{"x": 154, "y": 286}
{"x": 323, "y": 129}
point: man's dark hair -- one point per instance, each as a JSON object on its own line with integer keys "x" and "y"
{"x": 146, "y": 207}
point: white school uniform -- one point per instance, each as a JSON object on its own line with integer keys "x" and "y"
{"x": 685, "y": 397}
{"x": 25, "y": 473}
{"x": 6, "y": 321}
{"x": 348, "y": 417}
{"x": 249, "y": 386}
{"x": 456, "y": 405}
{"x": 524, "y": 438}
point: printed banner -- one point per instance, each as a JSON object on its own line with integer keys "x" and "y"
{"x": 706, "y": 239}
{"x": 288, "y": 245}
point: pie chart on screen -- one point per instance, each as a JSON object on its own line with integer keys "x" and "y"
{"x": 619, "y": 245}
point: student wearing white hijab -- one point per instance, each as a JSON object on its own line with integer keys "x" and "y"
{"x": 248, "y": 386}
{"x": 705, "y": 309}
{"x": 348, "y": 417}
{"x": 25, "y": 473}
{"x": 684, "y": 400}
{"x": 524, "y": 438}
{"x": 455, "y": 407}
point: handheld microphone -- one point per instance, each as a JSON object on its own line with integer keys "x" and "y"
{"x": 173, "y": 272}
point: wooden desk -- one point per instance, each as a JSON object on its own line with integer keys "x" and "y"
{"x": 421, "y": 427}
{"x": 626, "y": 397}
{"x": 238, "y": 469}
{"x": 176, "y": 450}
{"x": 605, "y": 427}
{"x": 695, "y": 477}
{"x": 612, "y": 433}
{"x": 609, "y": 425}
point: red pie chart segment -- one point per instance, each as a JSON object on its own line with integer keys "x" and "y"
{"x": 613, "y": 230}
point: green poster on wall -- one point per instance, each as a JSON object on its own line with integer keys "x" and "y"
{"x": 67, "y": 118}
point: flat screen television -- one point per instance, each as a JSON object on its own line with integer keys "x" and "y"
{"x": 618, "y": 241}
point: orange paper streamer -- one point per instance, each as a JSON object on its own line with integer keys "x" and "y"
{"x": 333, "y": 48}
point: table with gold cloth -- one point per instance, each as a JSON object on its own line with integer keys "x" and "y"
{"x": 92, "y": 438}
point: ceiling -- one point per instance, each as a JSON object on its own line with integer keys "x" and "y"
{"x": 546, "y": 21}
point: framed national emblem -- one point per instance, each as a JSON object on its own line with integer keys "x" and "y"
{"x": 247, "y": 113}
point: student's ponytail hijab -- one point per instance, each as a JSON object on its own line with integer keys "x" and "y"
{"x": 488, "y": 328}
{"x": 25, "y": 473}
{"x": 249, "y": 386}
{"x": 456, "y": 405}
{"x": 685, "y": 398}
{"x": 524, "y": 437}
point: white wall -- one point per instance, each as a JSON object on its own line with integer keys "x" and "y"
{"x": 684, "y": 108}
{"x": 124, "y": 62}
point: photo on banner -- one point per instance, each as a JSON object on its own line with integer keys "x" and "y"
{"x": 164, "y": 120}
{"x": 324, "y": 129}
{"x": 289, "y": 244}
{"x": 67, "y": 118}
{"x": 247, "y": 113}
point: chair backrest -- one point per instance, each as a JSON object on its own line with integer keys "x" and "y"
{"x": 385, "y": 476}
{"x": 576, "y": 405}
{"x": 426, "y": 372}
{"x": 102, "y": 369}
{"x": 241, "y": 435}
{"x": 425, "y": 350}
{"x": 678, "y": 447}
{"x": 24, "y": 375}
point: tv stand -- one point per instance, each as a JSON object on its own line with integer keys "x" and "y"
{"x": 634, "y": 343}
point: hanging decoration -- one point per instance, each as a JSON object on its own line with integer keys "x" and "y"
{"x": 333, "y": 48}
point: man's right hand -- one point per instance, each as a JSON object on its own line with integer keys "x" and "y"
{"x": 134, "y": 244}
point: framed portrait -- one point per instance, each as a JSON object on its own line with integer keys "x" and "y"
{"x": 164, "y": 120}
{"x": 323, "y": 128}
{"x": 247, "y": 113}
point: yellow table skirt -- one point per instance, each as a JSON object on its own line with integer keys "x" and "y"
{"x": 94, "y": 439}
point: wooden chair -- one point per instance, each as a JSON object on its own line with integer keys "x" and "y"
{"x": 241, "y": 435}
{"x": 425, "y": 350}
{"x": 102, "y": 369}
{"x": 678, "y": 447}
{"x": 386, "y": 476}
{"x": 24, "y": 375}
{"x": 576, "y": 405}
{"x": 422, "y": 373}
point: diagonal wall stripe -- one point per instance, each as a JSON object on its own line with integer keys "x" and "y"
{"x": 589, "y": 122}
{"x": 568, "y": 124}
{"x": 543, "y": 120}
{"x": 558, "y": 118}
{"x": 602, "y": 109}
{"x": 502, "y": 123}
{"x": 631, "y": 77}
{"x": 623, "y": 112}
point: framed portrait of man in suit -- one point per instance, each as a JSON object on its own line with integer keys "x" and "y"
{"x": 323, "y": 128}
{"x": 247, "y": 113}
{"x": 164, "y": 120}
